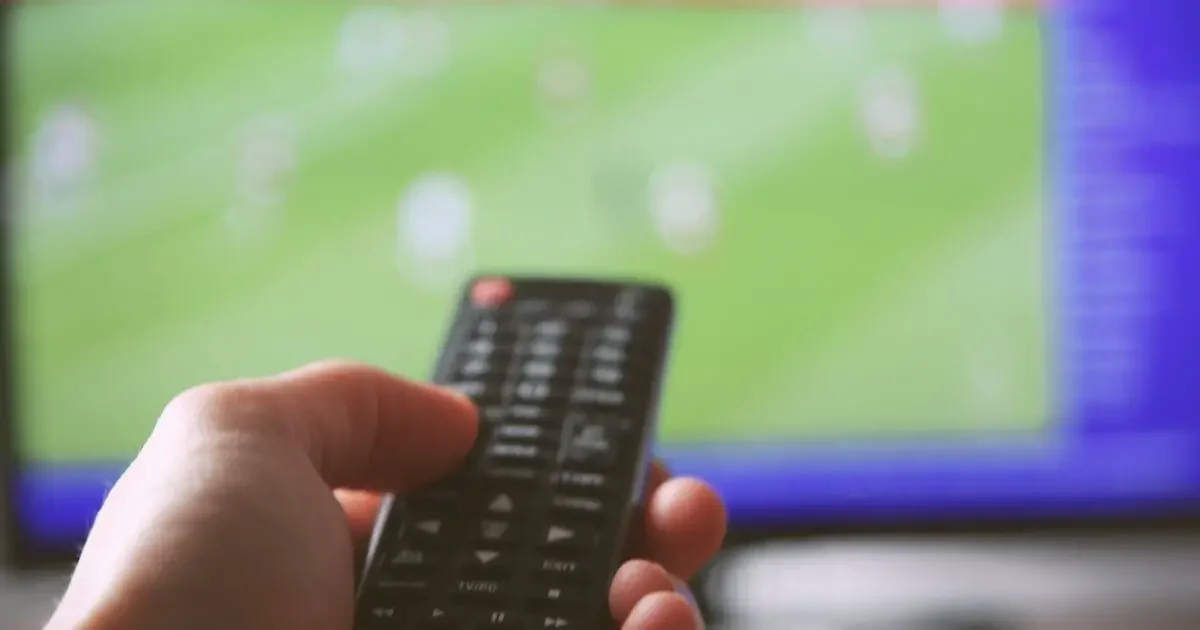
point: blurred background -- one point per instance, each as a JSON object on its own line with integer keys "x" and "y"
{"x": 936, "y": 264}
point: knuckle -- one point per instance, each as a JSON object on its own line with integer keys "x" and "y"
{"x": 221, "y": 404}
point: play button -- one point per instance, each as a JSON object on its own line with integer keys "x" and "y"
{"x": 502, "y": 504}
{"x": 559, "y": 534}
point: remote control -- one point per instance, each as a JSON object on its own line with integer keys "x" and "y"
{"x": 528, "y": 534}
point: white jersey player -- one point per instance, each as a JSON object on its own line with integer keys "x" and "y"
{"x": 267, "y": 158}
{"x": 972, "y": 21}
{"x": 369, "y": 42}
{"x": 63, "y": 158}
{"x": 427, "y": 44}
{"x": 891, "y": 113}
{"x": 434, "y": 229}
{"x": 837, "y": 31}
{"x": 377, "y": 43}
{"x": 563, "y": 86}
{"x": 683, "y": 204}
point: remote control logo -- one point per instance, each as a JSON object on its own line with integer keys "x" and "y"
{"x": 434, "y": 228}
{"x": 683, "y": 202}
{"x": 891, "y": 113}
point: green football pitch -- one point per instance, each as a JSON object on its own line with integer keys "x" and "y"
{"x": 847, "y": 288}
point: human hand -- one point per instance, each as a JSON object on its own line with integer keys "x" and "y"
{"x": 250, "y": 501}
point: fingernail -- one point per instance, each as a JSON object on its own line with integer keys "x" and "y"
{"x": 682, "y": 588}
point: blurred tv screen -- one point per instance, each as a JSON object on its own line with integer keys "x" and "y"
{"x": 856, "y": 205}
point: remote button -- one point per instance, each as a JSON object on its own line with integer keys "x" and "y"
{"x": 615, "y": 334}
{"x": 576, "y": 480}
{"x": 602, "y": 398}
{"x": 555, "y": 328}
{"x": 578, "y": 506}
{"x": 490, "y": 367}
{"x": 538, "y": 369}
{"x": 530, "y": 432}
{"x": 567, "y": 536}
{"x": 589, "y": 444}
{"x": 553, "y": 595}
{"x": 480, "y": 348}
{"x": 554, "y": 621}
{"x": 520, "y": 475}
{"x": 608, "y": 353}
{"x": 491, "y": 292}
{"x": 541, "y": 349}
{"x": 488, "y": 560}
{"x": 380, "y": 615}
{"x": 496, "y": 532}
{"x": 406, "y": 589}
{"x": 581, "y": 310}
{"x": 538, "y": 391}
{"x": 409, "y": 559}
{"x": 603, "y": 375}
{"x": 497, "y": 620}
{"x": 516, "y": 452}
{"x": 516, "y": 474}
{"x": 528, "y": 413}
{"x": 437, "y": 617}
{"x": 628, "y": 305}
{"x": 425, "y": 530}
{"x": 483, "y": 589}
{"x": 532, "y": 307}
{"x": 477, "y": 389}
{"x": 501, "y": 503}
{"x": 560, "y": 568}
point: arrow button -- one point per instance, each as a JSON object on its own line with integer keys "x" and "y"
{"x": 558, "y": 533}
{"x": 488, "y": 562}
{"x": 501, "y": 504}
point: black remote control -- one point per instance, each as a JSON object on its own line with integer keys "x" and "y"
{"x": 566, "y": 374}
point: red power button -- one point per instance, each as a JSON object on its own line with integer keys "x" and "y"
{"x": 491, "y": 292}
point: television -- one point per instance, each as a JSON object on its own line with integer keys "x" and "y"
{"x": 935, "y": 262}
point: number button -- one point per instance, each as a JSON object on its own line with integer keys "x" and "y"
{"x": 616, "y": 334}
{"x": 551, "y": 328}
{"x": 530, "y": 391}
{"x": 539, "y": 369}
{"x": 608, "y": 353}
{"x": 575, "y": 506}
{"x": 541, "y": 349}
{"x": 605, "y": 375}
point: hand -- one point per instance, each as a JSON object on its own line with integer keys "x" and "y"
{"x": 250, "y": 501}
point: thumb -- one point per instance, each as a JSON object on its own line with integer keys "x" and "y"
{"x": 360, "y": 426}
